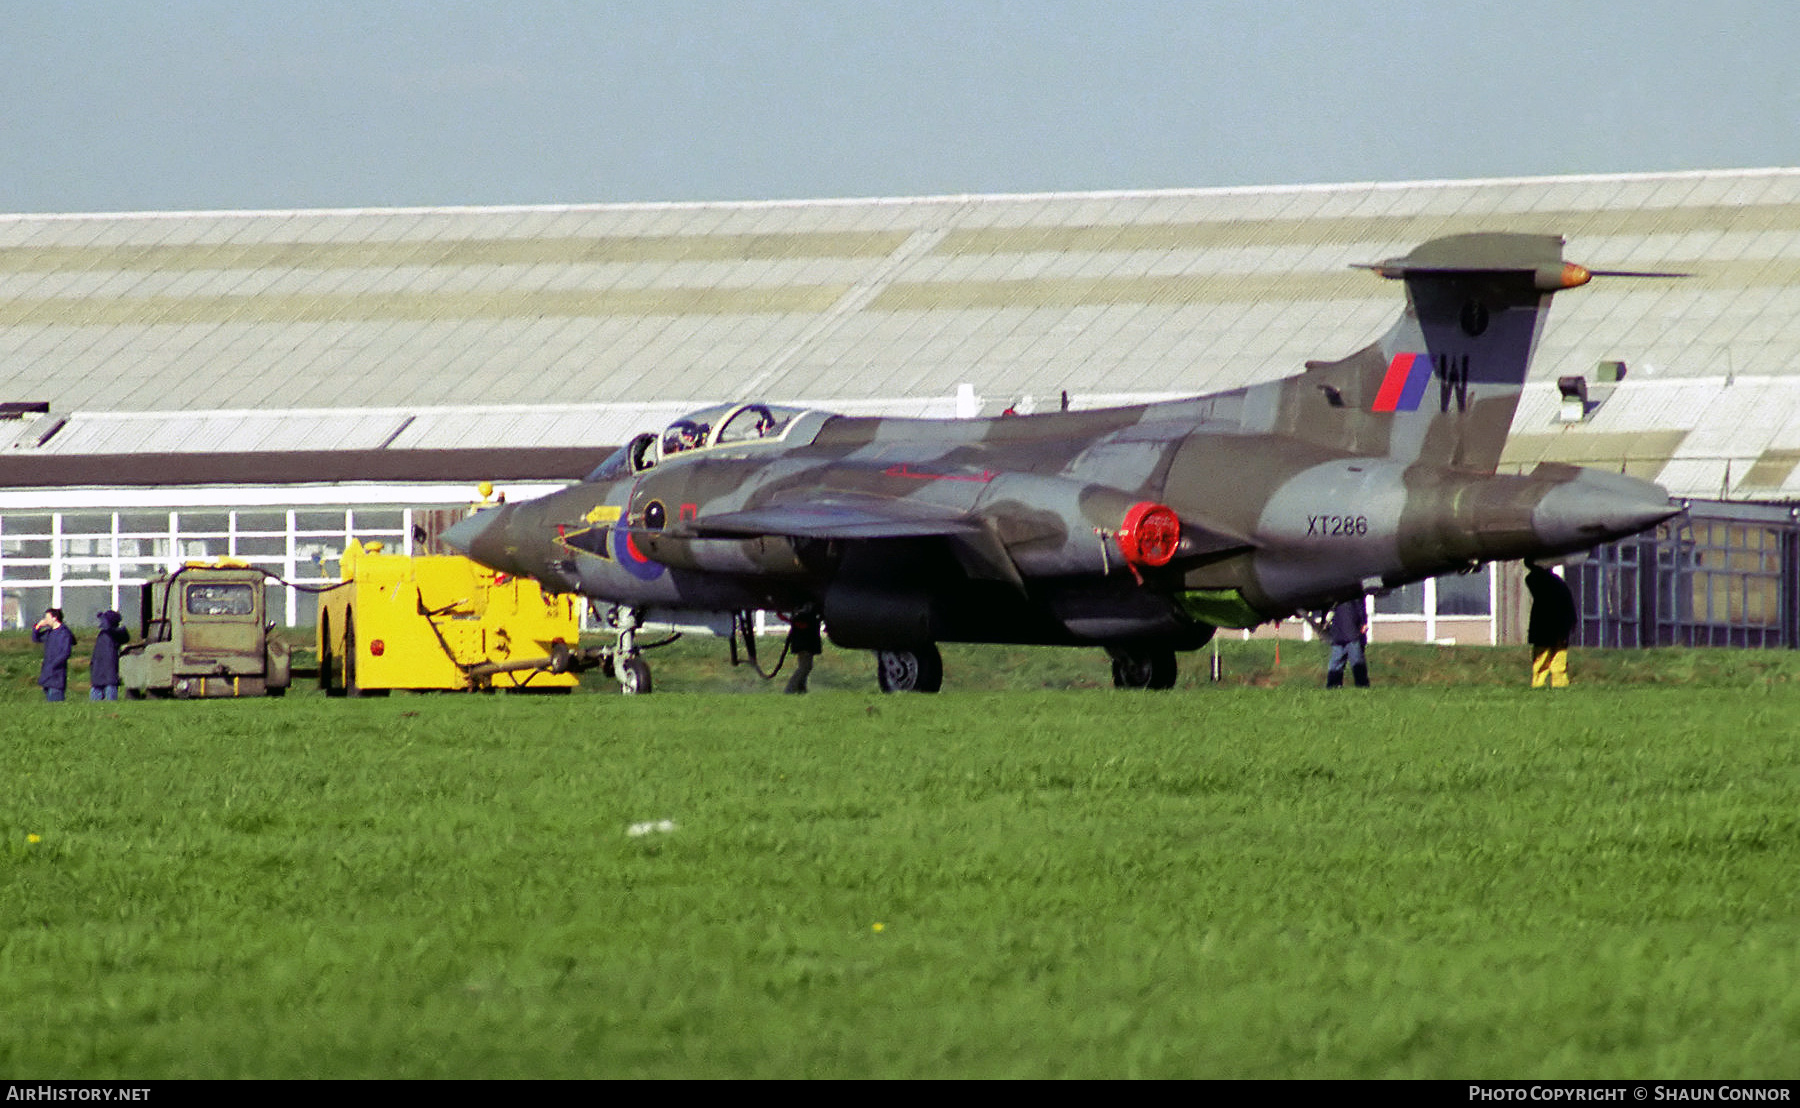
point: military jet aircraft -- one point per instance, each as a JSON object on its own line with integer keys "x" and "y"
{"x": 1138, "y": 529}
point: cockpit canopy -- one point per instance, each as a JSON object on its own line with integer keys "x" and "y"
{"x": 722, "y": 425}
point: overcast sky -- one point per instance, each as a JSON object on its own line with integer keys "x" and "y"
{"x": 207, "y": 104}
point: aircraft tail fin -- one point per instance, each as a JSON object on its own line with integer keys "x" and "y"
{"x": 1442, "y": 385}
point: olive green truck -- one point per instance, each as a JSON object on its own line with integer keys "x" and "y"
{"x": 206, "y": 633}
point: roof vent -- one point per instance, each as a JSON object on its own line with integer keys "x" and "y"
{"x": 1581, "y": 398}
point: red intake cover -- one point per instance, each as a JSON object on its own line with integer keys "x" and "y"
{"x": 1149, "y": 534}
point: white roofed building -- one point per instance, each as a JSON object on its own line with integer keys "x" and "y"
{"x": 267, "y": 383}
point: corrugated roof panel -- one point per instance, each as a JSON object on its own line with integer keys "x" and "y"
{"x": 1128, "y": 269}
{"x": 1709, "y": 477}
{"x": 1736, "y": 421}
{"x": 1647, "y": 406}
{"x": 1787, "y": 434}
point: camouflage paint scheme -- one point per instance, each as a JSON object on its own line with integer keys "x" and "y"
{"x": 1356, "y": 475}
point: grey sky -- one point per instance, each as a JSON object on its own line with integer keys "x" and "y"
{"x": 190, "y": 104}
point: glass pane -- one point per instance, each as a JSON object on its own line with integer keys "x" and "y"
{"x": 87, "y": 546}
{"x": 316, "y": 551}
{"x": 198, "y": 523}
{"x": 220, "y": 599}
{"x": 319, "y": 521}
{"x": 1407, "y": 600}
{"x": 25, "y": 525}
{"x": 87, "y": 523}
{"x": 379, "y": 519}
{"x": 324, "y": 569}
{"x": 255, "y": 547}
{"x": 25, "y": 548}
{"x": 157, "y": 549}
{"x": 87, "y": 571}
{"x": 1463, "y": 594}
{"x": 144, "y": 523}
{"x": 81, "y": 608}
{"x": 262, "y": 521}
{"x": 203, "y": 549}
{"x": 21, "y": 607}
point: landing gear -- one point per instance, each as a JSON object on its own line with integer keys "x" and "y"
{"x": 634, "y": 676}
{"x": 628, "y": 664}
{"x": 1142, "y": 667}
{"x": 918, "y": 670}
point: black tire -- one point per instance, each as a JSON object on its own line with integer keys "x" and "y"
{"x": 917, "y": 670}
{"x": 1143, "y": 668}
{"x": 327, "y": 659}
{"x": 634, "y": 677}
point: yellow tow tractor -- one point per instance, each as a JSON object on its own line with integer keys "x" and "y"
{"x": 440, "y": 621}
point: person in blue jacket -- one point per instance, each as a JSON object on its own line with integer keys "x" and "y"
{"x": 59, "y": 643}
{"x": 1348, "y": 632}
{"x": 103, "y": 674}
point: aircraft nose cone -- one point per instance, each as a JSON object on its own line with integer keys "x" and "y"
{"x": 1598, "y": 507}
{"x": 482, "y": 537}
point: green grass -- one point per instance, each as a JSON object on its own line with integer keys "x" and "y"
{"x": 1454, "y": 880}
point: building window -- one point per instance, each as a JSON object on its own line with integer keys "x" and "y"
{"x": 1407, "y": 600}
{"x": 86, "y": 562}
{"x": 1466, "y": 594}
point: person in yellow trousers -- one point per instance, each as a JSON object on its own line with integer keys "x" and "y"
{"x": 1552, "y": 619}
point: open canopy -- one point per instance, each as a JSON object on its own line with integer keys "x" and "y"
{"x": 740, "y": 423}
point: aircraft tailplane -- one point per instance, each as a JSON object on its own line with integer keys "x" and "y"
{"x": 1442, "y": 385}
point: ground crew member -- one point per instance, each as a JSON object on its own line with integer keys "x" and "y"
{"x": 1552, "y": 619}
{"x": 1348, "y": 632}
{"x": 805, "y": 645}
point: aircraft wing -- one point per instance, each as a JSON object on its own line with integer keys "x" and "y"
{"x": 841, "y": 517}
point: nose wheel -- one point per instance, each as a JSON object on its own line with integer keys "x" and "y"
{"x": 634, "y": 676}
{"x": 627, "y": 662}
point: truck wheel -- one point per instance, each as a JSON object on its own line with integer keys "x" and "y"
{"x": 327, "y": 660}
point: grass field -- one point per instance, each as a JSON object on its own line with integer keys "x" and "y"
{"x": 1448, "y": 876}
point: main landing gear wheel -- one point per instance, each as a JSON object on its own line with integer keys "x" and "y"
{"x": 917, "y": 670}
{"x": 1142, "y": 668}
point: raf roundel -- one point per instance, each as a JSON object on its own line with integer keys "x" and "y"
{"x": 630, "y": 558}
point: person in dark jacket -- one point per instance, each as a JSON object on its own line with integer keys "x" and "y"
{"x": 805, "y": 645}
{"x": 1348, "y": 631}
{"x": 103, "y": 675}
{"x": 59, "y": 644}
{"x": 1552, "y": 620}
